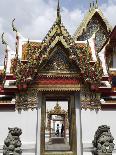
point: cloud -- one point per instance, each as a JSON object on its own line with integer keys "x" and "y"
{"x": 1, "y": 30}
{"x": 42, "y": 23}
{"x": 109, "y": 11}
{"x": 35, "y": 17}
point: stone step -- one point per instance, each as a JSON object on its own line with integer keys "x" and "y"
{"x": 59, "y": 153}
{"x": 57, "y": 140}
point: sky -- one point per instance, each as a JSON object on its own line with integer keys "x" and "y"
{"x": 35, "y": 17}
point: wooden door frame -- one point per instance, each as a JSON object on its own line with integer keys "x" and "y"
{"x": 68, "y": 96}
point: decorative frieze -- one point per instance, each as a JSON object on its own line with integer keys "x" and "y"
{"x": 27, "y": 100}
{"x": 89, "y": 99}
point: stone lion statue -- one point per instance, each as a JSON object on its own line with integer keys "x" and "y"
{"x": 103, "y": 141}
{"x": 12, "y": 144}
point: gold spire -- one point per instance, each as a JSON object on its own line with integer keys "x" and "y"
{"x": 90, "y": 7}
{"x": 93, "y": 4}
{"x": 96, "y": 3}
{"x": 58, "y": 13}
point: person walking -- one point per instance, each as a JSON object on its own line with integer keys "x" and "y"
{"x": 62, "y": 130}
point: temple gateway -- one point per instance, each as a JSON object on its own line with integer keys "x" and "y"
{"x": 58, "y": 95}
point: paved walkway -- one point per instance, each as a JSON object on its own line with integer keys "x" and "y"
{"x": 58, "y": 144}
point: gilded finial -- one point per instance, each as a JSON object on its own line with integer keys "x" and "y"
{"x": 58, "y": 13}
{"x": 28, "y": 41}
{"x": 13, "y": 26}
{"x": 58, "y": 8}
{"x": 96, "y": 3}
{"x": 90, "y": 7}
{"x": 3, "y": 41}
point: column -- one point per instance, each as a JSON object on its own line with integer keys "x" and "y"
{"x": 54, "y": 126}
{"x": 50, "y": 127}
{"x": 65, "y": 126}
{"x": 38, "y": 126}
{"x": 78, "y": 124}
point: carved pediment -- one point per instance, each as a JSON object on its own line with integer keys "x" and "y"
{"x": 94, "y": 22}
{"x": 96, "y": 25}
{"x": 59, "y": 62}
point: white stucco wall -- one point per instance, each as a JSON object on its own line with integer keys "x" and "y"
{"x": 26, "y": 120}
{"x": 92, "y": 119}
{"x": 90, "y": 122}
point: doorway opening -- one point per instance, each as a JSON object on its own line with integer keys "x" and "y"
{"x": 57, "y": 126}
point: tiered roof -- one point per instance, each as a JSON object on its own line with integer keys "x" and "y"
{"x": 80, "y": 53}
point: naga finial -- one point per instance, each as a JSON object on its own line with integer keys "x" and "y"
{"x": 13, "y": 26}
{"x": 3, "y": 41}
{"x": 58, "y": 13}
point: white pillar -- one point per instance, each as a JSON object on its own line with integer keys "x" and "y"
{"x": 78, "y": 124}
{"x": 38, "y": 127}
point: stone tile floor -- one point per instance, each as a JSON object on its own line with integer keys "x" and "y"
{"x": 57, "y": 144}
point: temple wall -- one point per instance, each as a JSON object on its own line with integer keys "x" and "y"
{"x": 26, "y": 121}
{"x": 90, "y": 122}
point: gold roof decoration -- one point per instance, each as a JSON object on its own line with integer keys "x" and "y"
{"x": 58, "y": 46}
{"x": 35, "y": 45}
{"x": 58, "y": 32}
{"x": 57, "y": 110}
{"x": 37, "y": 55}
{"x": 94, "y": 9}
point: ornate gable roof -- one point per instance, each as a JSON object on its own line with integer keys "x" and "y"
{"x": 57, "y": 52}
{"x": 37, "y": 55}
{"x": 35, "y": 45}
{"x": 92, "y": 11}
